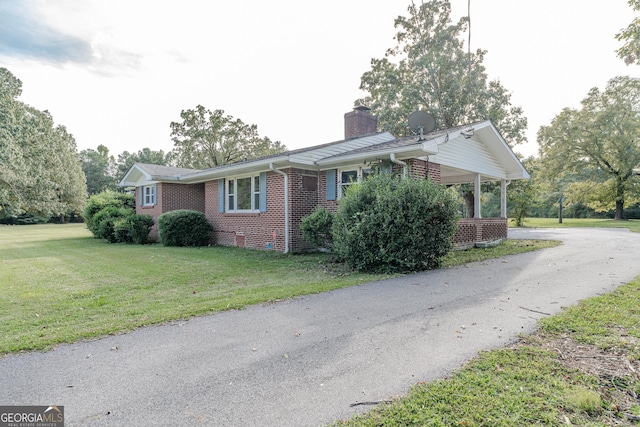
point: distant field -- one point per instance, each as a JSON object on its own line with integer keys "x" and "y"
{"x": 632, "y": 224}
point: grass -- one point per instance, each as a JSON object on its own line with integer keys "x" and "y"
{"x": 532, "y": 384}
{"x": 582, "y": 368}
{"x": 631, "y": 224}
{"x": 60, "y": 285}
{"x": 508, "y": 247}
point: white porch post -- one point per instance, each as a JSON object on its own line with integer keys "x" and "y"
{"x": 503, "y": 198}
{"x": 476, "y": 197}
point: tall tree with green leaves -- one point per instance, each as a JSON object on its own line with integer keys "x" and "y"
{"x": 40, "y": 174}
{"x": 100, "y": 169}
{"x": 146, "y": 155}
{"x": 602, "y": 137}
{"x": 429, "y": 69}
{"x": 206, "y": 139}
{"x": 630, "y": 36}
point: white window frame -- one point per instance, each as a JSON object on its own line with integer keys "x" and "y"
{"x": 254, "y": 194}
{"x": 149, "y": 196}
{"x": 361, "y": 172}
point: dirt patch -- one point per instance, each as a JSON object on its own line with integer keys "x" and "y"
{"x": 619, "y": 377}
{"x": 592, "y": 359}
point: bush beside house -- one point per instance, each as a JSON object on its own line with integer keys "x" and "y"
{"x": 184, "y": 228}
{"x": 316, "y": 228}
{"x": 110, "y": 215}
{"x": 392, "y": 224}
{"x": 133, "y": 229}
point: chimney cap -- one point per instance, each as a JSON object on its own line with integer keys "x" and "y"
{"x": 362, "y": 108}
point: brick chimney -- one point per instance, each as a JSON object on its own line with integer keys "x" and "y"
{"x": 359, "y": 122}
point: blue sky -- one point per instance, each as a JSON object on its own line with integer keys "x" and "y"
{"x": 118, "y": 72}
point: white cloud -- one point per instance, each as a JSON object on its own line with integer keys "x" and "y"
{"x": 293, "y": 68}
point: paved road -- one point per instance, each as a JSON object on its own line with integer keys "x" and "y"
{"x": 303, "y": 362}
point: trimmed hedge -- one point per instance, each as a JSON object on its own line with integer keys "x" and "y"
{"x": 104, "y": 222}
{"x": 184, "y": 228}
{"x": 133, "y": 229}
{"x": 99, "y": 201}
{"x": 316, "y": 228}
{"x": 393, "y": 224}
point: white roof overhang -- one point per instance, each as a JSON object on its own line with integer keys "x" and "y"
{"x": 480, "y": 149}
{"x": 414, "y": 149}
{"x": 134, "y": 176}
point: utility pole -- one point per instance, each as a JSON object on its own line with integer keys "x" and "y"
{"x": 560, "y": 210}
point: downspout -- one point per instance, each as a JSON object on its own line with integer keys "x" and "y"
{"x": 401, "y": 163}
{"x": 286, "y": 206}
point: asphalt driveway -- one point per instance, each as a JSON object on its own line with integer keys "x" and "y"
{"x": 306, "y": 361}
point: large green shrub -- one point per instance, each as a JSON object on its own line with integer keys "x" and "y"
{"x": 316, "y": 228}
{"x": 391, "y": 224}
{"x": 133, "y": 229}
{"x": 184, "y": 228}
{"x": 104, "y": 222}
{"x": 99, "y": 201}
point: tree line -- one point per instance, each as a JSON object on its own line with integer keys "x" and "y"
{"x": 589, "y": 157}
{"x": 44, "y": 177}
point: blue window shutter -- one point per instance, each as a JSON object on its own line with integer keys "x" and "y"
{"x": 263, "y": 191}
{"x": 141, "y": 195}
{"x": 221, "y": 195}
{"x": 155, "y": 194}
{"x": 331, "y": 184}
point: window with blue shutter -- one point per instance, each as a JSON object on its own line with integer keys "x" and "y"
{"x": 221, "y": 195}
{"x": 263, "y": 192}
{"x": 331, "y": 184}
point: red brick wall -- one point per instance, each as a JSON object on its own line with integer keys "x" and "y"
{"x": 471, "y": 230}
{"x": 155, "y": 211}
{"x": 182, "y": 196}
{"x": 420, "y": 169}
{"x": 169, "y": 197}
{"x": 263, "y": 230}
{"x": 307, "y": 190}
{"x": 330, "y": 205}
{"x": 303, "y": 199}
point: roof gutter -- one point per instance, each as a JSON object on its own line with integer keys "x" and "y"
{"x": 392, "y": 156}
{"x": 286, "y": 206}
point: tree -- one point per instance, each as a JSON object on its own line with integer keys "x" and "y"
{"x": 146, "y": 155}
{"x": 603, "y": 138}
{"x": 630, "y": 50}
{"x": 99, "y": 168}
{"x": 522, "y": 195}
{"x": 206, "y": 139}
{"x": 429, "y": 69}
{"x": 40, "y": 174}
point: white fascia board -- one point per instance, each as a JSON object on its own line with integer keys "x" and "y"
{"x": 235, "y": 169}
{"x": 133, "y": 175}
{"x": 417, "y": 150}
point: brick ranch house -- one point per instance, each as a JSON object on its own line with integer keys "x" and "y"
{"x": 259, "y": 203}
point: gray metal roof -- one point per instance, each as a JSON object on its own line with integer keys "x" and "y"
{"x": 476, "y": 147}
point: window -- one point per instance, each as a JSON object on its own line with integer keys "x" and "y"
{"x": 349, "y": 176}
{"x": 149, "y": 195}
{"x": 243, "y": 194}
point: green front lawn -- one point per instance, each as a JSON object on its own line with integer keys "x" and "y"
{"x": 58, "y": 284}
{"x": 631, "y": 224}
